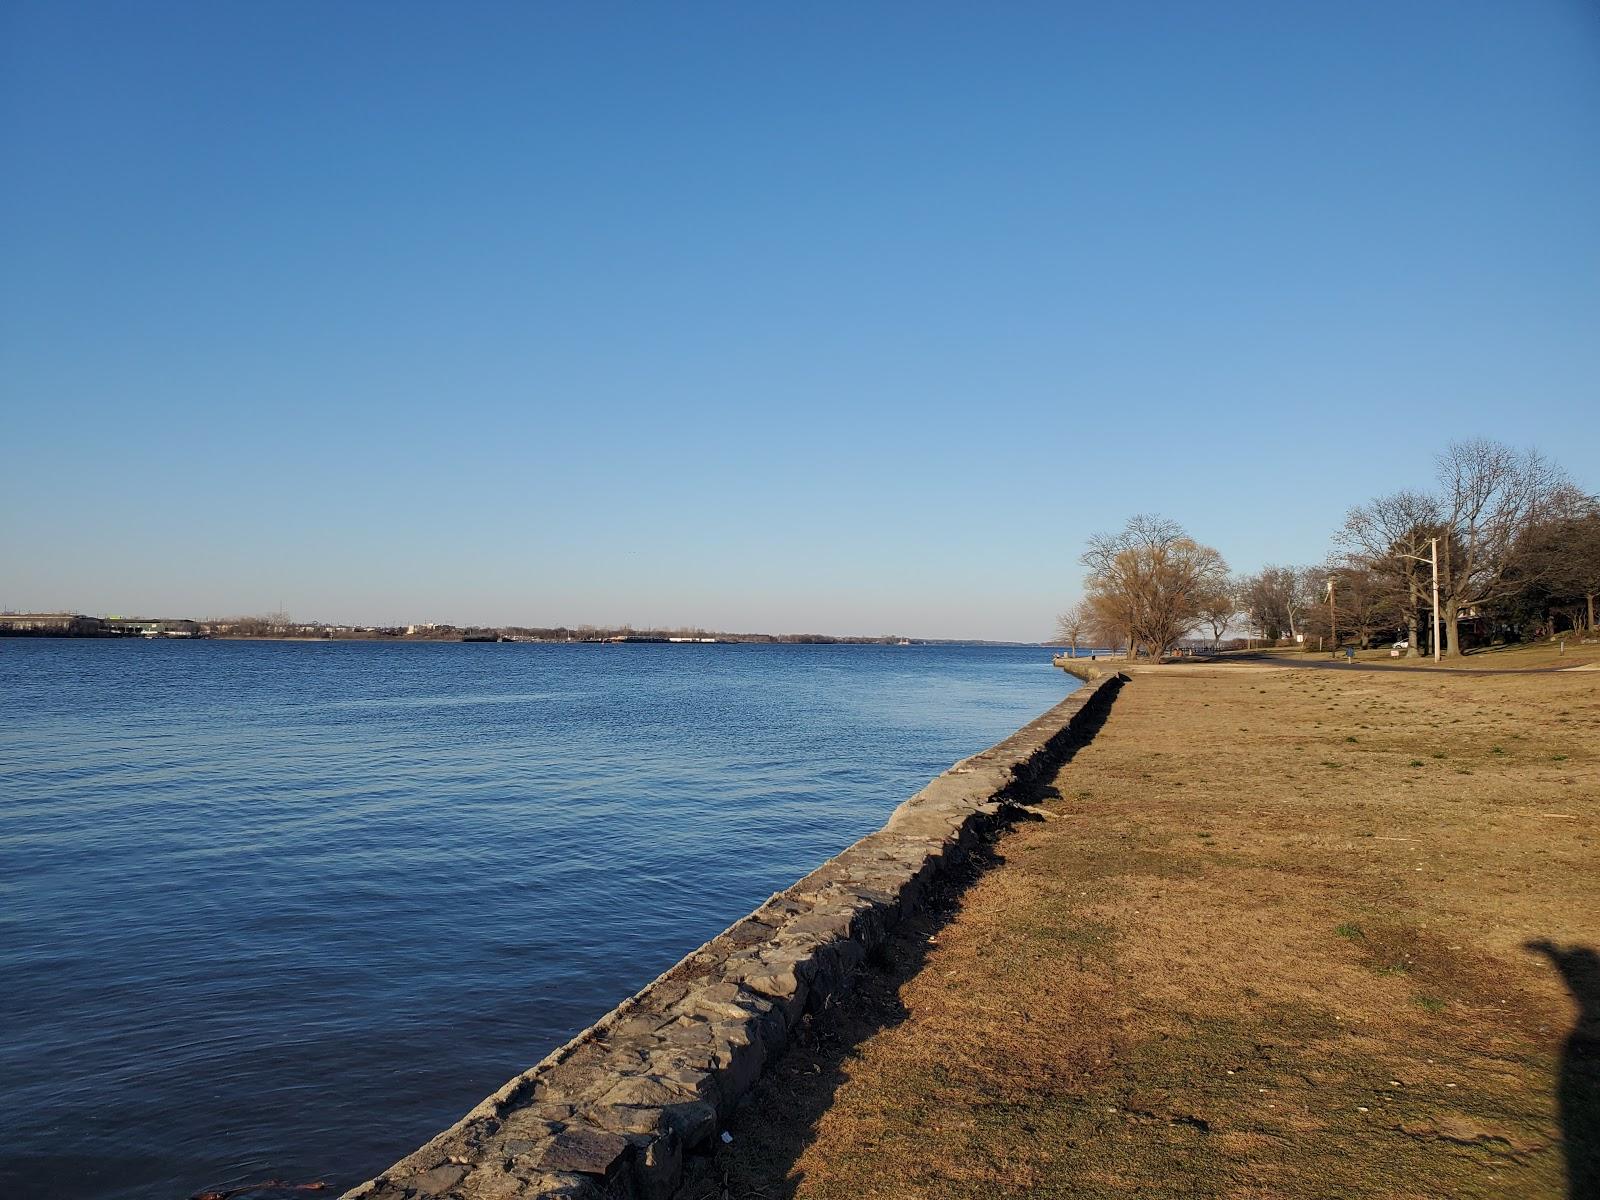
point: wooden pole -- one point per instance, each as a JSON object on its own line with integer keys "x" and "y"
{"x": 1435, "y": 544}
{"x": 1333, "y": 618}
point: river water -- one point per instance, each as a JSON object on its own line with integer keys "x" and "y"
{"x": 284, "y": 910}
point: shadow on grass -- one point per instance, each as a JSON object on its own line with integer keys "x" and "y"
{"x": 1578, "y": 1086}
{"x": 779, "y": 1119}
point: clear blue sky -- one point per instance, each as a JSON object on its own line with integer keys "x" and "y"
{"x": 855, "y": 318}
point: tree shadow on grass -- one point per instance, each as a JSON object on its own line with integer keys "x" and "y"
{"x": 1578, "y": 1086}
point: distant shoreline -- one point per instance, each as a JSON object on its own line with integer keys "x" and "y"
{"x": 380, "y": 639}
{"x": 279, "y": 628}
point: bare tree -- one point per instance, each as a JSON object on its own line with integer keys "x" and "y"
{"x": 1275, "y": 598}
{"x": 1490, "y": 495}
{"x": 1363, "y": 603}
{"x": 1151, "y": 580}
{"x": 1219, "y": 609}
{"x": 1074, "y": 624}
{"x": 1391, "y": 534}
{"x": 1558, "y": 562}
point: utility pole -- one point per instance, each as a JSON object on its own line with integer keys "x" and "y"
{"x": 1333, "y": 619}
{"x": 1433, "y": 558}
{"x": 1434, "y": 543}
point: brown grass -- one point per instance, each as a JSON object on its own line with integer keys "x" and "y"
{"x": 1270, "y": 944}
{"x": 1545, "y": 655}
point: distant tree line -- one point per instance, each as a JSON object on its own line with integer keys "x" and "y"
{"x": 1517, "y": 547}
{"x": 281, "y": 625}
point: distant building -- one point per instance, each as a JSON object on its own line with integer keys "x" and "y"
{"x": 51, "y": 625}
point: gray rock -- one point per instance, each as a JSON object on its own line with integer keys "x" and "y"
{"x": 585, "y": 1150}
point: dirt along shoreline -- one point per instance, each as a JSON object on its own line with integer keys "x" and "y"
{"x": 1284, "y": 933}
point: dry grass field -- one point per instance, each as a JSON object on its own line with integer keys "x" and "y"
{"x": 1286, "y": 933}
{"x": 1571, "y": 650}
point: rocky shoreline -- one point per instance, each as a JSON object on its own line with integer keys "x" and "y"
{"x": 613, "y": 1112}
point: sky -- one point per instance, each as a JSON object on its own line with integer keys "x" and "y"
{"x": 848, "y": 318}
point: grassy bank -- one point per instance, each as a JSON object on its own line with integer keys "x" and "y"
{"x": 1275, "y": 939}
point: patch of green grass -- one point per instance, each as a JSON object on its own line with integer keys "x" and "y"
{"x": 1430, "y": 1003}
{"x": 1354, "y": 932}
{"x": 1415, "y": 762}
{"x": 1558, "y": 758}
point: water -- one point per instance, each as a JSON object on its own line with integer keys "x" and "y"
{"x": 279, "y": 910}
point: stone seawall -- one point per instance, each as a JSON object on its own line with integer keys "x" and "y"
{"x": 612, "y": 1112}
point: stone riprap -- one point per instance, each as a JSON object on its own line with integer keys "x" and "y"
{"x": 612, "y": 1112}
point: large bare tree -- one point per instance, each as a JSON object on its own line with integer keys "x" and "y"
{"x": 1490, "y": 496}
{"x": 1391, "y": 534}
{"x": 1151, "y": 580}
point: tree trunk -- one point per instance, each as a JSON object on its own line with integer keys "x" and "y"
{"x": 1413, "y": 647}
{"x": 1590, "y": 599}
{"x": 1448, "y": 612}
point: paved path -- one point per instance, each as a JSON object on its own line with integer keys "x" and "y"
{"x": 1342, "y": 664}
